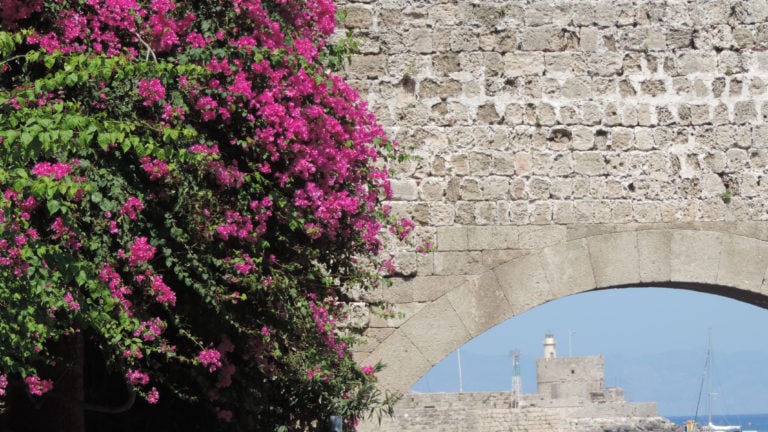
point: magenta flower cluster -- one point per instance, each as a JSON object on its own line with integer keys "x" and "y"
{"x": 244, "y": 170}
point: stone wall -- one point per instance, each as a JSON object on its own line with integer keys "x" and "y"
{"x": 491, "y": 412}
{"x": 563, "y": 147}
{"x": 565, "y": 112}
{"x": 569, "y": 377}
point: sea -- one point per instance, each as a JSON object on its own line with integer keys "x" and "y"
{"x": 748, "y": 422}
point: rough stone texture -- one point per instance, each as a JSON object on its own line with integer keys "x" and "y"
{"x": 562, "y": 147}
{"x": 492, "y": 412}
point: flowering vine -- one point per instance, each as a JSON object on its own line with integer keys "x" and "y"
{"x": 186, "y": 189}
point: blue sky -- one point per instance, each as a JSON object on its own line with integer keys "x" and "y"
{"x": 654, "y": 342}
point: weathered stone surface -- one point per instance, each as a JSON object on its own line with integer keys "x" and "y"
{"x": 632, "y": 135}
{"x": 614, "y": 259}
{"x": 480, "y": 303}
{"x": 434, "y": 344}
{"x": 695, "y": 256}
{"x": 743, "y": 263}
{"x": 568, "y": 268}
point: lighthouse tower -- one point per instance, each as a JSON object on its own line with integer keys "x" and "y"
{"x": 549, "y": 346}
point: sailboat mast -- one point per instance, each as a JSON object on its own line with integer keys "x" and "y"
{"x": 709, "y": 376}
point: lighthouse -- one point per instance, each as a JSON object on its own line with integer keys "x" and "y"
{"x": 549, "y": 346}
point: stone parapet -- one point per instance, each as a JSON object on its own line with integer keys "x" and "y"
{"x": 491, "y": 412}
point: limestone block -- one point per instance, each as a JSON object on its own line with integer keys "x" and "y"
{"x": 538, "y": 188}
{"x": 536, "y": 237}
{"x": 653, "y": 254}
{"x": 577, "y": 88}
{"x": 486, "y": 213}
{"x": 441, "y": 15}
{"x": 568, "y": 268}
{"x": 621, "y": 211}
{"x": 653, "y": 88}
{"x": 700, "y": 114}
{"x": 588, "y": 39}
{"x": 562, "y": 212}
{"x": 394, "y": 316}
{"x": 431, "y": 189}
{"x": 644, "y": 139}
{"x": 743, "y": 263}
{"x": 487, "y": 114}
{"x": 547, "y": 38}
{"x": 428, "y": 288}
{"x": 372, "y": 66}
{"x": 524, "y": 283}
{"x": 743, "y": 38}
{"x": 735, "y": 86}
{"x": 569, "y": 62}
{"x": 622, "y": 139}
{"x": 737, "y": 158}
{"x": 646, "y": 212}
{"x": 729, "y": 62}
{"x": 470, "y": 189}
{"x": 503, "y": 164}
{"x": 452, "y": 238}
{"x": 458, "y": 263}
{"x": 446, "y": 63}
{"x": 358, "y": 17}
{"x": 495, "y": 188}
{"x": 744, "y": 111}
{"x": 463, "y": 40}
{"x": 371, "y": 340}
{"x": 447, "y": 330}
{"x": 406, "y": 190}
{"x": 481, "y": 304}
{"x": 695, "y": 256}
{"x": 540, "y": 13}
{"x": 524, "y": 63}
{"x": 561, "y": 188}
{"x": 760, "y": 136}
{"x": 440, "y": 214}
{"x": 583, "y": 139}
{"x": 405, "y": 359}
{"x": 492, "y": 237}
{"x": 693, "y": 62}
{"x": 583, "y": 14}
{"x": 679, "y": 38}
{"x": 504, "y": 42}
{"x": 614, "y": 259}
{"x": 589, "y": 163}
{"x": 606, "y": 14}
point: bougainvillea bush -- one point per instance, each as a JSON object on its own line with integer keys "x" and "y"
{"x": 185, "y": 194}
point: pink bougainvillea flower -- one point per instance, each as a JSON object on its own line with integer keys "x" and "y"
{"x": 141, "y": 252}
{"x": 210, "y": 358}
{"x": 153, "y": 396}
{"x": 38, "y": 386}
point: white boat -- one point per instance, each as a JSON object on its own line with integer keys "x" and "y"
{"x": 690, "y": 426}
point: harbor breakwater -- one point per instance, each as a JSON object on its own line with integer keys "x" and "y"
{"x": 493, "y": 412}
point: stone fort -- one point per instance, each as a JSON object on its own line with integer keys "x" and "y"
{"x": 561, "y": 146}
{"x": 571, "y": 396}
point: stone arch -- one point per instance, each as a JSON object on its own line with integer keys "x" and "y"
{"x": 711, "y": 261}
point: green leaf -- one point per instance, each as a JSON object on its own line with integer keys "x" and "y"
{"x": 53, "y": 206}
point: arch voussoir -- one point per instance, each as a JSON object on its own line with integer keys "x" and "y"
{"x": 743, "y": 263}
{"x": 480, "y": 303}
{"x": 695, "y": 256}
{"x": 614, "y": 258}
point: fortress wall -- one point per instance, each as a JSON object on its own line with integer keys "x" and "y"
{"x": 490, "y": 412}
{"x": 567, "y": 377}
{"x": 569, "y": 112}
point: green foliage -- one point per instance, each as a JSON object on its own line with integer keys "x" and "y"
{"x": 179, "y": 217}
